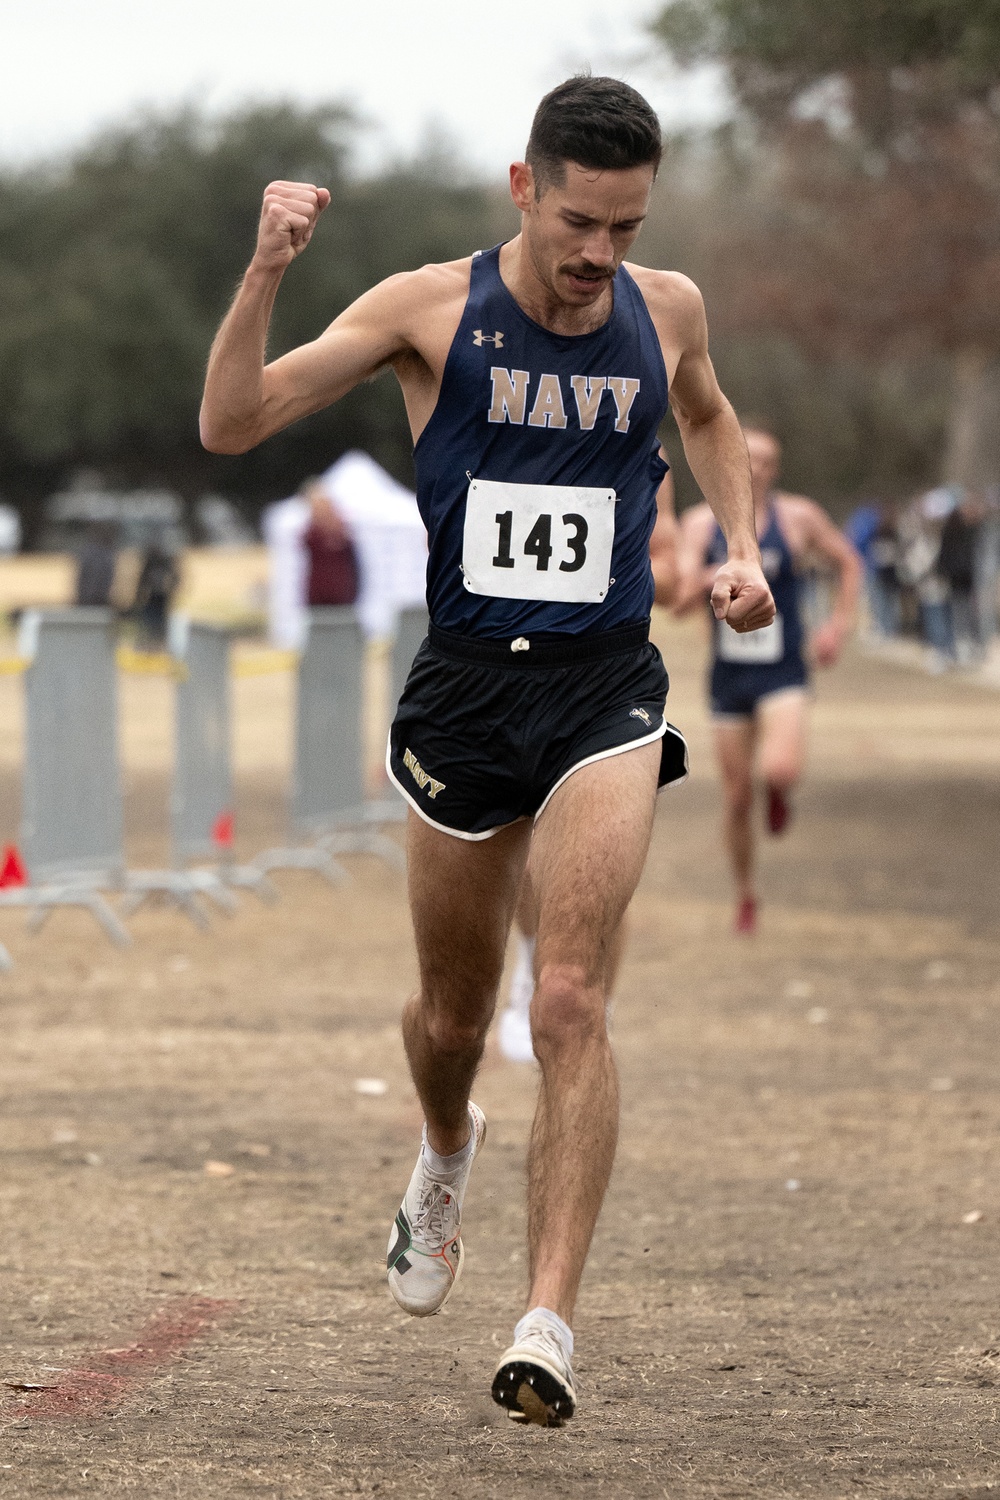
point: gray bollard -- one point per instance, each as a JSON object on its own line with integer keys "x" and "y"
{"x": 72, "y": 830}
{"x": 328, "y": 795}
{"x": 411, "y": 629}
{"x": 202, "y": 791}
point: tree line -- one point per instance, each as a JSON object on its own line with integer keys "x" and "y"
{"x": 844, "y": 226}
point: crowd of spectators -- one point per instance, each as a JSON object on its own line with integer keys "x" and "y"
{"x": 932, "y": 569}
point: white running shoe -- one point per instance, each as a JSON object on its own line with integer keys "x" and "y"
{"x": 514, "y": 1034}
{"x": 534, "y": 1380}
{"x": 425, "y": 1244}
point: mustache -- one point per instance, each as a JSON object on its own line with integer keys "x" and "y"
{"x": 599, "y": 273}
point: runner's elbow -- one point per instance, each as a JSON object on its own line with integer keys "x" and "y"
{"x": 219, "y": 435}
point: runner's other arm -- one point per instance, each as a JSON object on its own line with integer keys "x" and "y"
{"x": 663, "y": 543}
{"x": 714, "y": 447}
{"x": 819, "y": 535}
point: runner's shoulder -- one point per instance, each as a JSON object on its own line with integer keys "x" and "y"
{"x": 698, "y": 519}
{"x": 668, "y": 294}
{"x": 798, "y": 517}
{"x": 428, "y": 289}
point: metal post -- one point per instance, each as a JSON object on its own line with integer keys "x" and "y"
{"x": 411, "y": 629}
{"x": 202, "y": 791}
{"x": 72, "y": 827}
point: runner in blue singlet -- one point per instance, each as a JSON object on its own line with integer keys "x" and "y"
{"x": 759, "y": 683}
{"x": 535, "y": 377}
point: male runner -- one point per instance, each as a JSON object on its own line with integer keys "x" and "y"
{"x": 535, "y": 377}
{"x": 759, "y": 683}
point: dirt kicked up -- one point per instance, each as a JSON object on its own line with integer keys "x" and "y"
{"x": 793, "y": 1289}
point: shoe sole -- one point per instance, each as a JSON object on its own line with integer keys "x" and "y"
{"x": 428, "y": 1312}
{"x": 533, "y": 1391}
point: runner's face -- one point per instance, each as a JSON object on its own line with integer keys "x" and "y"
{"x": 578, "y": 233}
{"x": 765, "y": 461}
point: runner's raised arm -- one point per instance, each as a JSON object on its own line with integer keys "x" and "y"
{"x": 247, "y": 400}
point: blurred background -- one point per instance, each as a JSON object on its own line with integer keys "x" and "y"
{"x": 831, "y": 181}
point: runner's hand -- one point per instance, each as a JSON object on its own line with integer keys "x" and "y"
{"x": 741, "y": 597}
{"x": 827, "y": 643}
{"x": 287, "y": 221}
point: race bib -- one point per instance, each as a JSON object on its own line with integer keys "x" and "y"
{"x": 538, "y": 541}
{"x": 756, "y": 647}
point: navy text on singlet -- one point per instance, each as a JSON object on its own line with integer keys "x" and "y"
{"x": 524, "y": 406}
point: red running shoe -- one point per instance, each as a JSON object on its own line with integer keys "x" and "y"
{"x": 779, "y": 812}
{"x": 746, "y": 917}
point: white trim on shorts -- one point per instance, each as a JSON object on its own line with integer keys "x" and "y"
{"x": 801, "y": 689}
{"x": 456, "y": 833}
{"x": 588, "y": 760}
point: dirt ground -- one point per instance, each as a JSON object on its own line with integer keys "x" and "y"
{"x": 792, "y": 1291}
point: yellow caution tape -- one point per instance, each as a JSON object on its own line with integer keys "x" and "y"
{"x": 260, "y": 663}
{"x": 150, "y": 663}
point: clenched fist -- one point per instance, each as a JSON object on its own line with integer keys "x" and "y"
{"x": 287, "y": 221}
{"x": 741, "y": 597}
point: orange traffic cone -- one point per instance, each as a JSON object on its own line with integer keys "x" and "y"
{"x": 223, "y": 830}
{"x": 12, "y": 871}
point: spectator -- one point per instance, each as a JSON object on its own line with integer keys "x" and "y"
{"x": 158, "y": 582}
{"x": 332, "y": 577}
{"x": 95, "y": 574}
{"x": 958, "y": 567}
{"x": 874, "y": 531}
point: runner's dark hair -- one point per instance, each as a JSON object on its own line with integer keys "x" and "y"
{"x": 601, "y": 123}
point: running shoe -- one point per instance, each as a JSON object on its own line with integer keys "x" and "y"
{"x": 515, "y": 1036}
{"x": 534, "y": 1380}
{"x": 514, "y": 1032}
{"x": 425, "y": 1244}
{"x": 779, "y": 811}
{"x": 745, "y": 924}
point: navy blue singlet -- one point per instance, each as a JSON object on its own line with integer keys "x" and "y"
{"x": 737, "y": 684}
{"x": 525, "y": 406}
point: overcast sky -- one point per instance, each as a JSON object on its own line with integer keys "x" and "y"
{"x": 473, "y": 68}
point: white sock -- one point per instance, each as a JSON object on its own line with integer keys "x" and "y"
{"x": 522, "y": 984}
{"x": 546, "y": 1315}
{"x": 447, "y": 1169}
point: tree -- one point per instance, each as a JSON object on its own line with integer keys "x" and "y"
{"x": 869, "y": 218}
{"x": 117, "y": 265}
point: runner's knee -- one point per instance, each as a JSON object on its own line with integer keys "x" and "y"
{"x": 457, "y": 1031}
{"x": 739, "y": 795}
{"x": 566, "y": 1008}
{"x": 780, "y": 769}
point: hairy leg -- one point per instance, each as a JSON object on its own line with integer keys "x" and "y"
{"x": 527, "y": 922}
{"x": 781, "y": 738}
{"x": 734, "y": 748}
{"x": 588, "y": 852}
{"x": 462, "y": 898}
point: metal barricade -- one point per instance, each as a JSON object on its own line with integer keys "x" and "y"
{"x": 411, "y": 628}
{"x": 328, "y": 793}
{"x": 72, "y": 831}
{"x": 201, "y": 800}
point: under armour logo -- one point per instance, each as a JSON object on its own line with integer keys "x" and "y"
{"x": 479, "y": 338}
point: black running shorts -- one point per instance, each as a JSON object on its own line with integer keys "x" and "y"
{"x": 487, "y": 730}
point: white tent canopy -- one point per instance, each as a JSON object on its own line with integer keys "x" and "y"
{"x": 389, "y": 540}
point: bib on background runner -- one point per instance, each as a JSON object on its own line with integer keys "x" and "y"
{"x": 756, "y": 647}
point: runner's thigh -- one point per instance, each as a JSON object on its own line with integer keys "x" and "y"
{"x": 781, "y": 733}
{"x": 462, "y": 898}
{"x": 587, "y": 854}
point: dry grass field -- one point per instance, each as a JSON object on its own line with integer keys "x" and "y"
{"x": 792, "y": 1291}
